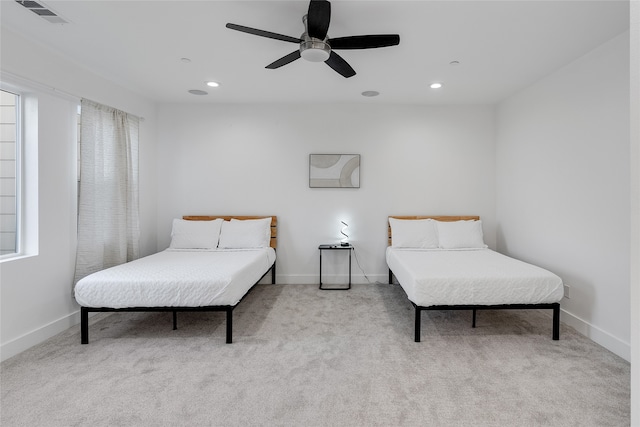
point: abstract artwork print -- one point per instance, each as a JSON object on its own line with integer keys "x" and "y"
{"x": 334, "y": 171}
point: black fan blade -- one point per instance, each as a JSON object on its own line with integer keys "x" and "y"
{"x": 284, "y": 60}
{"x": 365, "y": 42}
{"x": 318, "y": 18}
{"x": 263, "y": 33}
{"x": 336, "y": 62}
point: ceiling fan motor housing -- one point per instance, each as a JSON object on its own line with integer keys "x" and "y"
{"x": 314, "y": 50}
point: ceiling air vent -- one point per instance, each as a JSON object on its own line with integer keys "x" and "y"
{"x": 42, "y": 11}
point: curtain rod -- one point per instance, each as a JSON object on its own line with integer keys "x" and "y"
{"x": 109, "y": 106}
{"x": 14, "y": 79}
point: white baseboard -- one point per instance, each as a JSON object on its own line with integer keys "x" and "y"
{"x": 606, "y": 340}
{"x": 331, "y": 279}
{"x": 26, "y": 341}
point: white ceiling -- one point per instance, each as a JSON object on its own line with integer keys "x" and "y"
{"x": 501, "y": 46}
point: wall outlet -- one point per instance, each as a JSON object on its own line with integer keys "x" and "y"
{"x": 567, "y": 288}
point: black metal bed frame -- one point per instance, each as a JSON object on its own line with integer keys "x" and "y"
{"x": 553, "y": 306}
{"x": 84, "y": 311}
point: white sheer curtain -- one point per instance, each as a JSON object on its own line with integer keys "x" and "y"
{"x": 108, "y": 227}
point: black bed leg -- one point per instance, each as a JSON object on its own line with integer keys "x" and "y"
{"x": 229, "y": 325}
{"x": 556, "y": 322}
{"x": 273, "y": 274}
{"x": 417, "y": 327}
{"x": 84, "y": 325}
{"x": 473, "y": 322}
{"x": 175, "y": 320}
{"x": 390, "y": 277}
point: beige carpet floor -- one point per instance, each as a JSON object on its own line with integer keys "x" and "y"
{"x": 308, "y": 357}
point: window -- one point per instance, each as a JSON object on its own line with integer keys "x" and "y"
{"x": 10, "y": 169}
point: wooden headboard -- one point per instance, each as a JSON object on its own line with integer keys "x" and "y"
{"x": 274, "y": 222}
{"x": 436, "y": 217}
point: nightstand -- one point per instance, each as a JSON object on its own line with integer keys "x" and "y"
{"x": 336, "y": 247}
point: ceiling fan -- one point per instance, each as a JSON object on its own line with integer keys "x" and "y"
{"x": 315, "y": 46}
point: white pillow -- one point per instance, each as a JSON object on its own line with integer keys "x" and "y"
{"x": 195, "y": 234}
{"x": 413, "y": 233}
{"x": 246, "y": 233}
{"x": 460, "y": 234}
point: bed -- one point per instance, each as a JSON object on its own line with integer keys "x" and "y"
{"x": 212, "y": 263}
{"x": 442, "y": 263}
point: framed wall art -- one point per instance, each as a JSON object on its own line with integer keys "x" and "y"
{"x": 334, "y": 170}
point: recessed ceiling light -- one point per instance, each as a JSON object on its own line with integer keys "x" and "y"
{"x": 198, "y": 92}
{"x": 370, "y": 93}
{"x": 213, "y": 84}
{"x": 454, "y": 63}
{"x": 435, "y": 85}
{"x": 185, "y": 60}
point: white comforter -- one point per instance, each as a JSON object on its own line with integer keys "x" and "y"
{"x": 471, "y": 277}
{"x": 177, "y": 278}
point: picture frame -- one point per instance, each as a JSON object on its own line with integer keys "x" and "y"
{"x": 334, "y": 170}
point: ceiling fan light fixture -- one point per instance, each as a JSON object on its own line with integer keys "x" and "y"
{"x": 314, "y": 50}
{"x": 314, "y": 55}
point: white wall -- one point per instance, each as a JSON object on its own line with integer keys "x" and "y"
{"x": 563, "y": 186}
{"x": 36, "y": 291}
{"x": 635, "y": 211}
{"x": 238, "y": 159}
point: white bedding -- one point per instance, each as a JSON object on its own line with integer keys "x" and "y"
{"x": 177, "y": 278}
{"x": 471, "y": 277}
